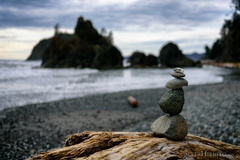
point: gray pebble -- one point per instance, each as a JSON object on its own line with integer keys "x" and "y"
{"x": 177, "y": 75}
{"x": 176, "y": 83}
{"x": 172, "y": 101}
{"x": 178, "y": 70}
{"x": 173, "y": 127}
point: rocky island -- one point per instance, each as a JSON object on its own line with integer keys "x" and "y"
{"x": 171, "y": 56}
{"x": 139, "y": 59}
{"x": 85, "y": 48}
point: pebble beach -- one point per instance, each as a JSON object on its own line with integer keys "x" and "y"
{"x": 211, "y": 111}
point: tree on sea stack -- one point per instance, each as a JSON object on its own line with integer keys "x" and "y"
{"x": 169, "y": 141}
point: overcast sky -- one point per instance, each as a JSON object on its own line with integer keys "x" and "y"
{"x": 144, "y": 25}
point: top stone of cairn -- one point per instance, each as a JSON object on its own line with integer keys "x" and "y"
{"x": 178, "y": 70}
{"x": 178, "y": 73}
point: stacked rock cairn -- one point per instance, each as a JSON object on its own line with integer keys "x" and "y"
{"x": 173, "y": 125}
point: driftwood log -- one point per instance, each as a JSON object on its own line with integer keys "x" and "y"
{"x": 139, "y": 145}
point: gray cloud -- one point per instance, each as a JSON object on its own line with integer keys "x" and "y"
{"x": 21, "y": 13}
{"x": 3, "y": 37}
{"x": 26, "y": 3}
{"x": 45, "y": 13}
{"x": 145, "y": 13}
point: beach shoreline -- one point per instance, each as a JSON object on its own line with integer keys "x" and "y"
{"x": 211, "y": 110}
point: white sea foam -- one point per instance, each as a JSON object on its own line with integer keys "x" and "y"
{"x": 22, "y": 83}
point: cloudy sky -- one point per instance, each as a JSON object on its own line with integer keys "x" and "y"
{"x": 143, "y": 25}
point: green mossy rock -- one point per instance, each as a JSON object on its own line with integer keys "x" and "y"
{"x": 172, "y": 102}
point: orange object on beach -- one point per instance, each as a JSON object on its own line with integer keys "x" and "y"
{"x": 132, "y": 101}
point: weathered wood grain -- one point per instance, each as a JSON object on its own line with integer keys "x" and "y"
{"x": 139, "y": 145}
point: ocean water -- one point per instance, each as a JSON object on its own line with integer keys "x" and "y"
{"x": 24, "y": 82}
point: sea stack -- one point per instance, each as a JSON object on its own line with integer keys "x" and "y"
{"x": 173, "y": 125}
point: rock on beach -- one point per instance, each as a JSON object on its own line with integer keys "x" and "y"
{"x": 176, "y": 83}
{"x": 173, "y": 127}
{"x": 172, "y": 102}
{"x": 177, "y": 75}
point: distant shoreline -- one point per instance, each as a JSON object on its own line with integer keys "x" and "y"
{"x": 31, "y": 86}
{"x": 233, "y": 65}
{"x": 203, "y": 62}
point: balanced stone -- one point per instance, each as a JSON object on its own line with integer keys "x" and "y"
{"x": 178, "y": 70}
{"x": 177, "y": 75}
{"x": 176, "y": 83}
{"x": 172, "y": 101}
{"x": 173, "y": 127}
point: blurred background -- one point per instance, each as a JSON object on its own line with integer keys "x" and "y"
{"x": 135, "y": 24}
{"x": 69, "y": 66}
